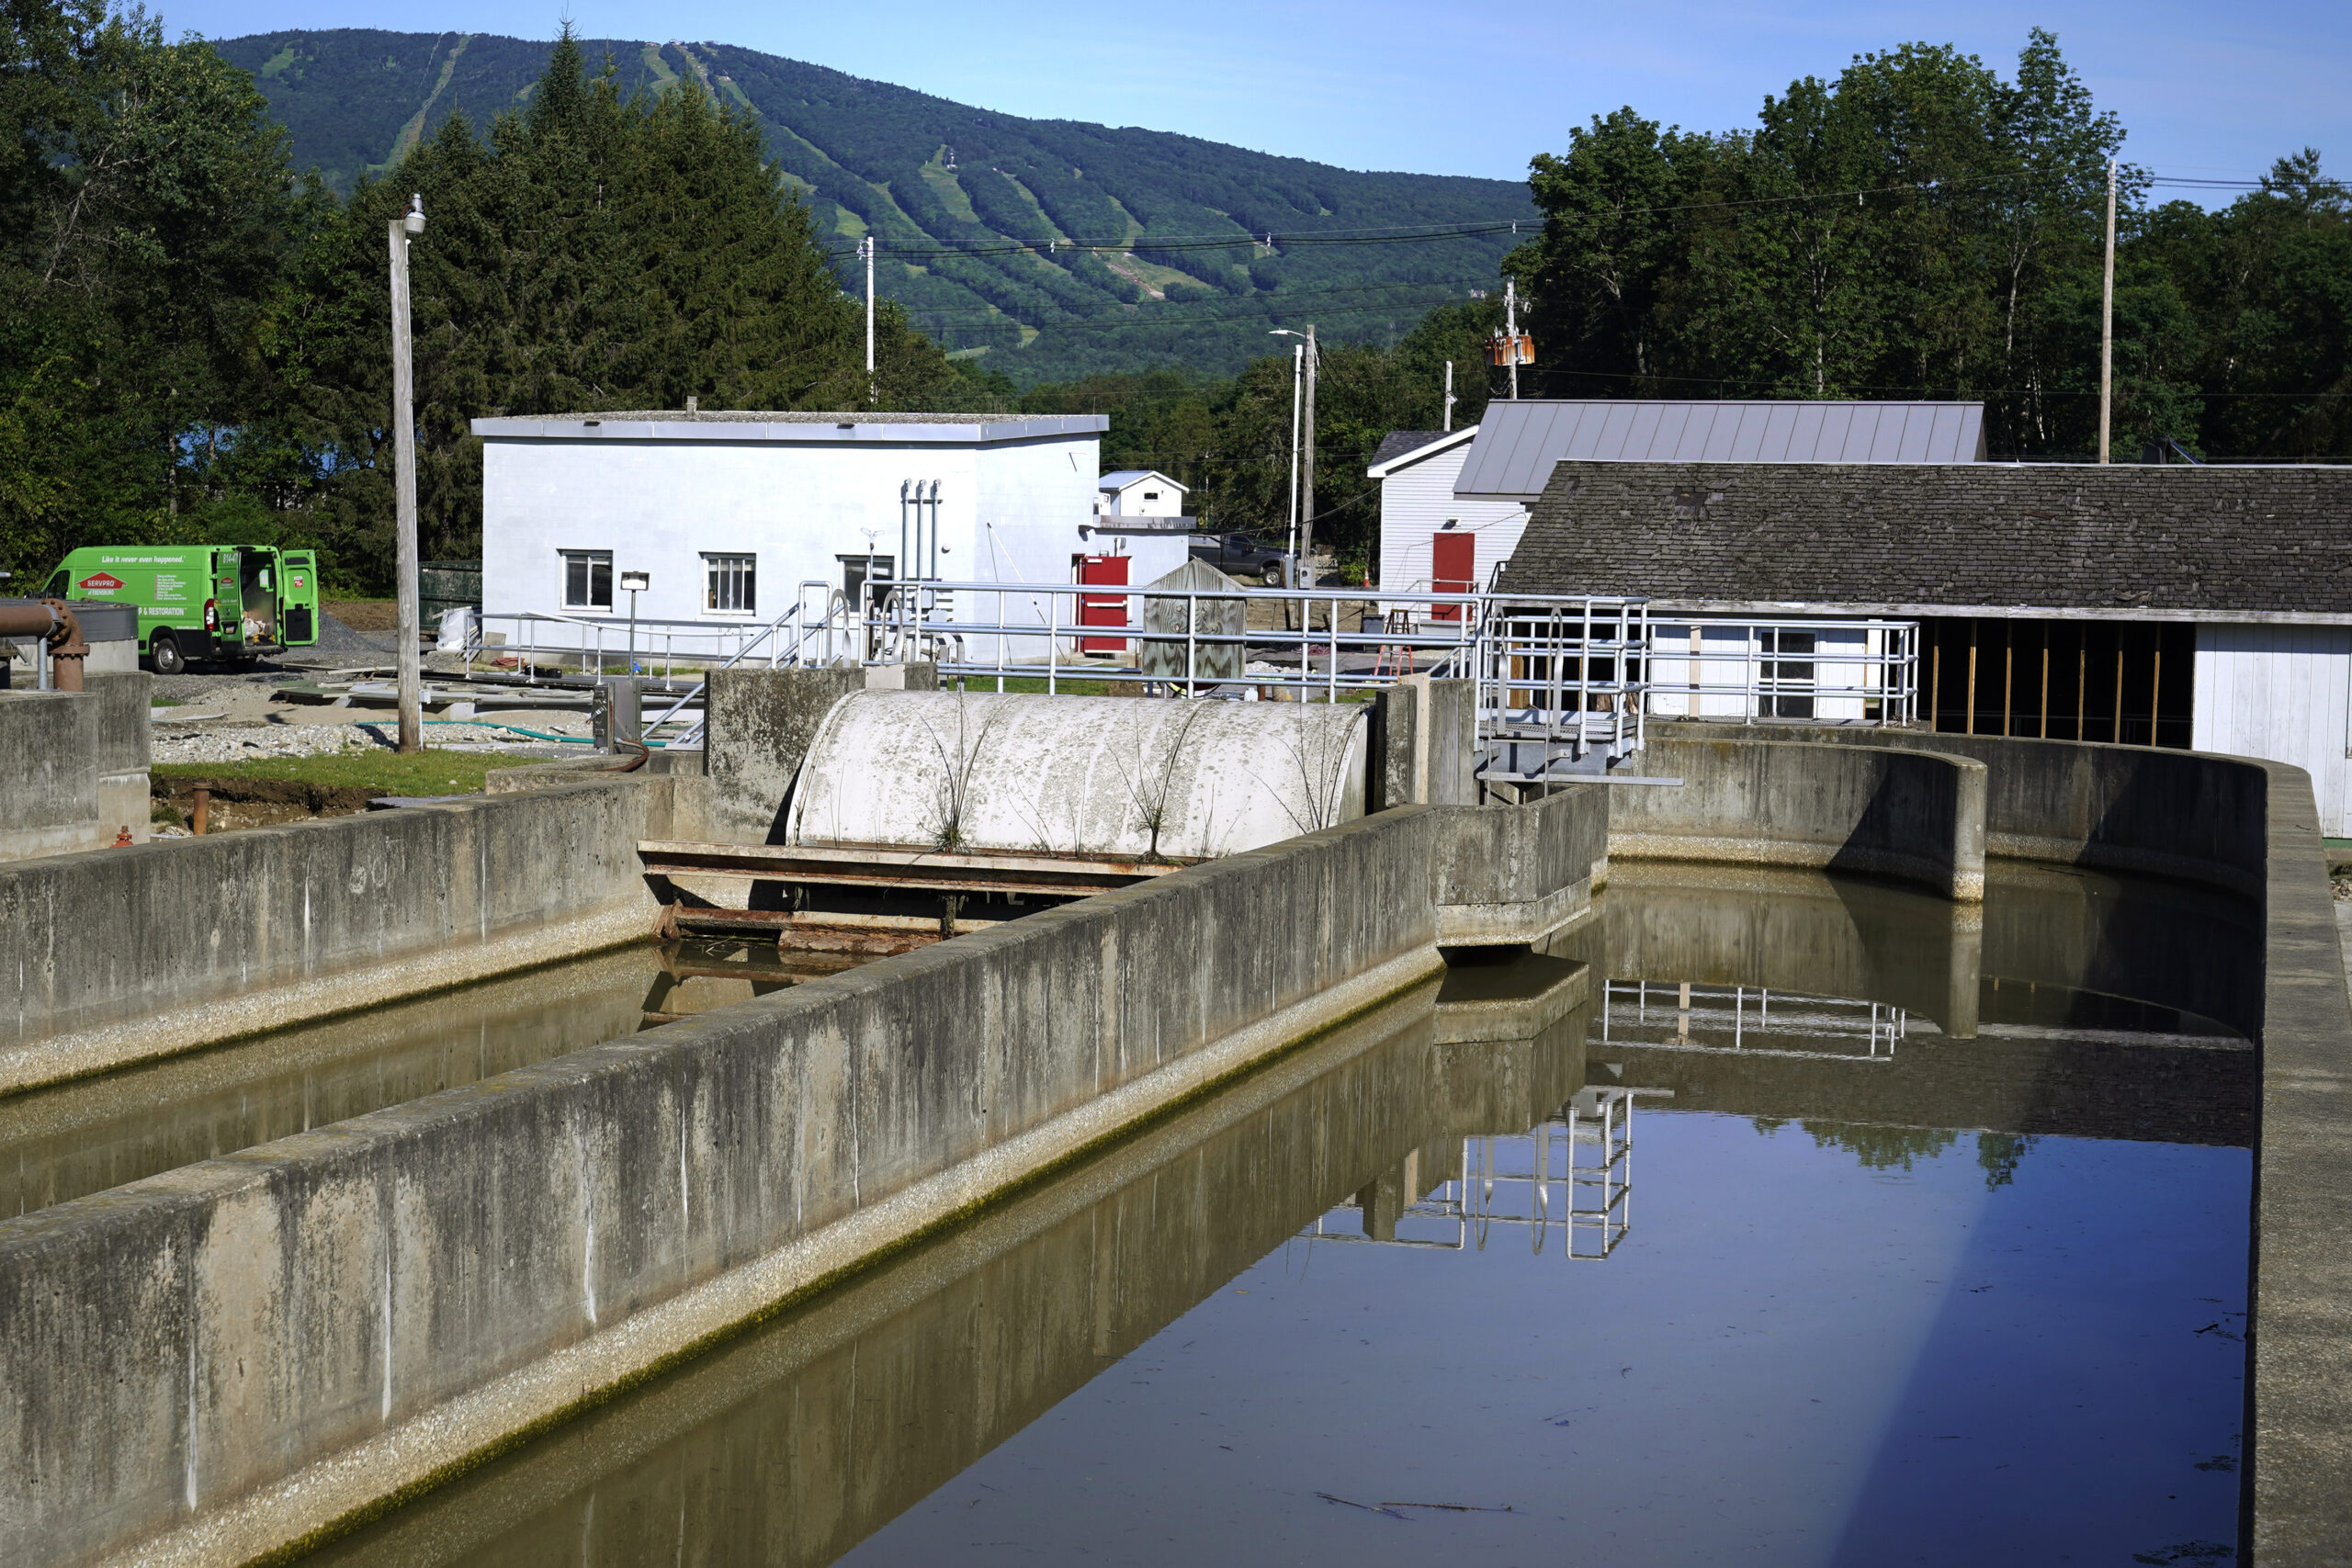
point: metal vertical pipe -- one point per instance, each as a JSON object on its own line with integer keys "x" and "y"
{"x": 2156, "y": 688}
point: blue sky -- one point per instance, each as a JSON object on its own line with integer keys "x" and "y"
{"x": 2213, "y": 90}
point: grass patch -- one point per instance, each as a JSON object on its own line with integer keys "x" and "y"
{"x": 378, "y": 771}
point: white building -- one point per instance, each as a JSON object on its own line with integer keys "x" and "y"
{"x": 1138, "y": 492}
{"x": 1425, "y": 526}
{"x": 729, "y": 514}
{"x": 1437, "y": 487}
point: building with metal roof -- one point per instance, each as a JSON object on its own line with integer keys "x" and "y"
{"x": 1430, "y": 539}
{"x": 2204, "y": 606}
{"x": 1519, "y": 441}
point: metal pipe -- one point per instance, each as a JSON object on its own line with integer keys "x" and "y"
{"x": 52, "y": 621}
{"x": 202, "y": 816}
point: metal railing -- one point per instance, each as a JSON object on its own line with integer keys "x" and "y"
{"x": 1818, "y": 671}
{"x": 1557, "y": 678}
{"x": 1564, "y": 685}
{"x": 1684, "y": 1016}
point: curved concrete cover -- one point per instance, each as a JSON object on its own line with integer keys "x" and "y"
{"x": 1113, "y": 777}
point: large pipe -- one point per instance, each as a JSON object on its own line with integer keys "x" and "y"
{"x": 53, "y": 621}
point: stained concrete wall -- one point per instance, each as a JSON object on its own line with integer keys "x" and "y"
{"x": 761, "y": 723}
{"x": 115, "y": 956}
{"x": 73, "y": 766}
{"x": 1514, "y": 873}
{"x": 234, "y": 1353}
{"x": 1914, "y": 816}
{"x": 2122, "y": 807}
{"x": 49, "y": 780}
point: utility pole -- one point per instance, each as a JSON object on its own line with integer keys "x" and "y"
{"x": 412, "y": 676}
{"x": 1307, "y": 463}
{"x": 1298, "y": 359}
{"x": 2106, "y": 322}
{"x": 1449, "y": 394}
{"x": 1511, "y": 332}
{"x": 865, "y": 248}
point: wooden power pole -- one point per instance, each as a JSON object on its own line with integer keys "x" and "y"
{"x": 2106, "y": 323}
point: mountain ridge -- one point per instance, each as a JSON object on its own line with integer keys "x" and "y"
{"x": 973, "y": 207}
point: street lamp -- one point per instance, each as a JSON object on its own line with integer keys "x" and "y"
{"x": 633, "y": 584}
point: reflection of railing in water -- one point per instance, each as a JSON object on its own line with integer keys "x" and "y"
{"x": 1680, "y": 1015}
{"x": 1584, "y": 1153}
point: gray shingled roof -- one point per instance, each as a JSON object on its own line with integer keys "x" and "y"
{"x": 1519, "y": 442}
{"x": 2156, "y": 541}
{"x": 1396, "y": 443}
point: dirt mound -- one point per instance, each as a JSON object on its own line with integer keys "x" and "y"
{"x": 257, "y": 803}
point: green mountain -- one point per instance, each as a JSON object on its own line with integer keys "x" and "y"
{"x": 954, "y": 193}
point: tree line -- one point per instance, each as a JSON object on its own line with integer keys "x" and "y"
{"x": 1921, "y": 228}
{"x": 195, "y": 339}
{"x": 194, "y": 335}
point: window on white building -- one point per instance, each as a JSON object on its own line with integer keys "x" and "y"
{"x": 587, "y": 579}
{"x": 733, "y": 587}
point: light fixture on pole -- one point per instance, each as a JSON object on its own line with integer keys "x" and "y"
{"x": 409, "y": 664}
{"x": 633, "y": 584}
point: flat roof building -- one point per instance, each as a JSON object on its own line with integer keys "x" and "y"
{"x": 730, "y": 512}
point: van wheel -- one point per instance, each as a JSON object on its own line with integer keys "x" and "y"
{"x": 164, "y": 649}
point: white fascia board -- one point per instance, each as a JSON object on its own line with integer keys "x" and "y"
{"x": 1052, "y": 427}
{"x": 1421, "y": 454}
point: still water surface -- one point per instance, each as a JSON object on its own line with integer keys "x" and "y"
{"x": 1833, "y": 1225}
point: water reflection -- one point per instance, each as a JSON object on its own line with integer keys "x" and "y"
{"x": 1568, "y": 1181}
{"x": 1936, "y": 1230}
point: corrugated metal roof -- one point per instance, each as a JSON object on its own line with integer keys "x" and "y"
{"x": 1519, "y": 442}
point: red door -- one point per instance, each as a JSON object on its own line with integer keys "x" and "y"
{"x": 1453, "y": 569}
{"x": 1102, "y": 610}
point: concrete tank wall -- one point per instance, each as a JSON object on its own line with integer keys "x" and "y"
{"x": 1113, "y": 776}
{"x": 254, "y": 1346}
{"x": 1914, "y": 817}
{"x": 115, "y": 956}
{"x": 73, "y": 766}
{"x": 2120, "y": 807}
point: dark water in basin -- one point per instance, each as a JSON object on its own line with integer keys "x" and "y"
{"x": 78, "y": 1139}
{"x": 1915, "y": 1237}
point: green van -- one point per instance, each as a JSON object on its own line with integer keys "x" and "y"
{"x": 201, "y": 602}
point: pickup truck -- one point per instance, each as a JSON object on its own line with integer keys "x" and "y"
{"x": 1239, "y": 555}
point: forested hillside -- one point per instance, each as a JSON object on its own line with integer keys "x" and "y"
{"x": 981, "y": 217}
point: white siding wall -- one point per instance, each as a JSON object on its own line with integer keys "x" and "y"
{"x": 1415, "y": 502}
{"x": 1716, "y": 656}
{"x": 658, "y": 506}
{"x": 2280, "y": 693}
